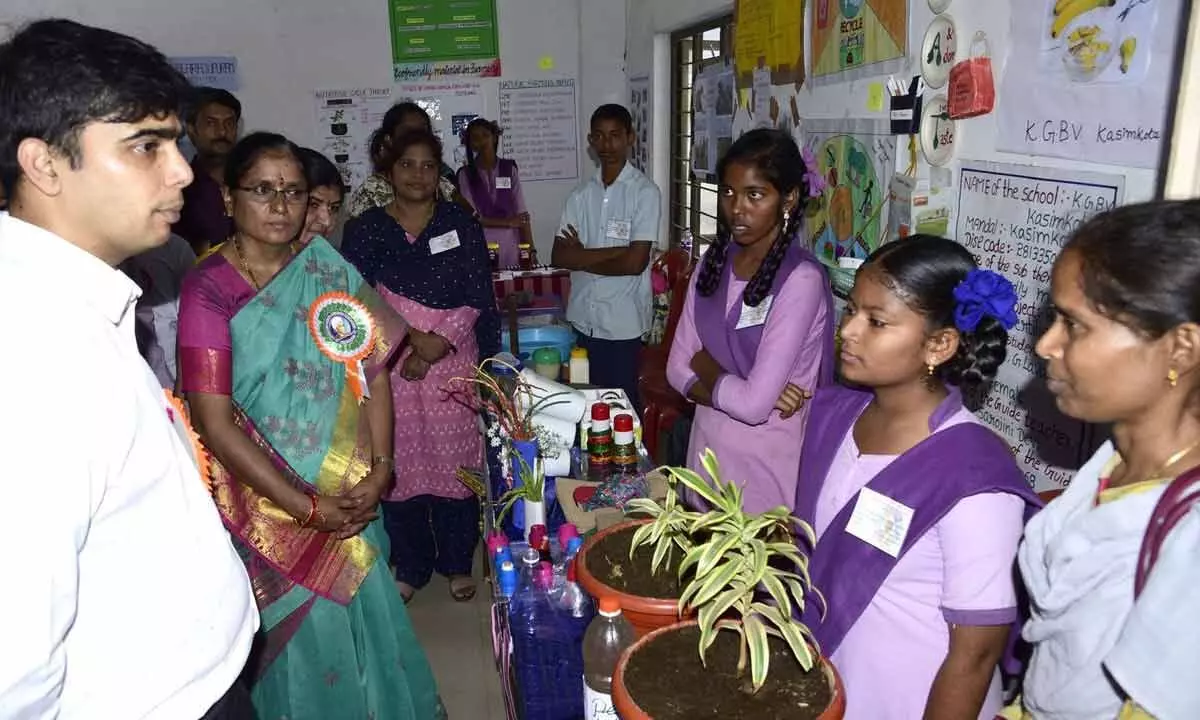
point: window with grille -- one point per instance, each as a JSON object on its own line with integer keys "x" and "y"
{"x": 693, "y": 204}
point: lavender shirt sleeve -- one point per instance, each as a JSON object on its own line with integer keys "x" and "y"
{"x": 685, "y": 345}
{"x": 784, "y": 349}
{"x": 979, "y": 539}
{"x": 464, "y": 186}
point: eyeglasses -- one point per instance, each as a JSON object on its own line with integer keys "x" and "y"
{"x": 267, "y": 195}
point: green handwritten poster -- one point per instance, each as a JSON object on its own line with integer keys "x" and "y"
{"x": 439, "y": 39}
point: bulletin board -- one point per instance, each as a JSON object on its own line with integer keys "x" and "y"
{"x": 1058, "y": 147}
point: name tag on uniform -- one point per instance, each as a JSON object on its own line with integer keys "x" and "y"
{"x": 504, "y": 183}
{"x": 442, "y": 243}
{"x": 880, "y": 521}
{"x": 619, "y": 229}
{"x": 754, "y": 316}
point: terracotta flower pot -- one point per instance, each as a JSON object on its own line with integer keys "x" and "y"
{"x": 628, "y": 709}
{"x": 644, "y": 614}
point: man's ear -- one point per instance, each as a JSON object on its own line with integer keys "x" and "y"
{"x": 42, "y": 166}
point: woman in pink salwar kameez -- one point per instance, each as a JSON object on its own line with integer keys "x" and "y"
{"x": 428, "y": 259}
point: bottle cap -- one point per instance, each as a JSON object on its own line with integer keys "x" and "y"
{"x": 537, "y": 533}
{"x": 566, "y": 531}
{"x": 503, "y": 555}
{"x": 547, "y": 356}
{"x": 574, "y": 544}
{"x": 530, "y": 556}
{"x": 610, "y": 606}
{"x": 600, "y": 411}
{"x": 579, "y": 353}
{"x": 623, "y": 422}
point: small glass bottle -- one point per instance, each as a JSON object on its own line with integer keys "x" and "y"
{"x": 600, "y": 437}
{"x": 625, "y": 455}
{"x": 579, "y": 372}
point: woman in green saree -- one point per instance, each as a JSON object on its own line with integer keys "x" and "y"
{"x": 283, "y": 355}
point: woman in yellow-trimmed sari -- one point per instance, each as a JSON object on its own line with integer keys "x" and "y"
{"x": 283, "y": 354}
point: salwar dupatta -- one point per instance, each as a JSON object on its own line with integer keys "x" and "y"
{"x": 296, "y": 405}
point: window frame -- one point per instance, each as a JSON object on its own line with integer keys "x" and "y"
{"x": 685, "y": 196}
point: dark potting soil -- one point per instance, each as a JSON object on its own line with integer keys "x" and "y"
{"x": 666, "y": 679}
{"x": 610, "y": 563}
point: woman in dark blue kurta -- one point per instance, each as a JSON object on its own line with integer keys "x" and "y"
{"x": 429, "y": 259}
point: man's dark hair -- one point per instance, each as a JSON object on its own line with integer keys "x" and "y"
{"x": 202, "y": 97}
{"x": 615, "y": 113}
{"x": 58, "y": 76}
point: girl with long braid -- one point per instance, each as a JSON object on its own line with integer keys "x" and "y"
{"x": 756, "y": 335}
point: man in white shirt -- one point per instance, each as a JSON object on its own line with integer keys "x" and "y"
{"x": 123, "y": 595}
{"x": 609, "y": 228}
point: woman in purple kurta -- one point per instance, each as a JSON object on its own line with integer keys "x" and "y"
{"x": 756, "y": 333}
{"x": 491, "y": 184}
{"x": 916, "y": 506}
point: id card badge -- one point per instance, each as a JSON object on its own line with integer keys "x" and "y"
{"x": 444, "y": 242}
{"x": 754, "y": 316}
{"x": 619, "y": 230}
{"x": 504, "y": 183}
{"x": 880, "y": 521}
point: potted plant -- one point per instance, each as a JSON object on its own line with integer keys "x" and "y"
{"x": 755, "y": 659}
{"x": 510, "y": 428}
{"x": 619, "y": 562}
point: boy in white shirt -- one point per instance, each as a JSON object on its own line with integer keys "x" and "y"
{"x": 609, "y": 228}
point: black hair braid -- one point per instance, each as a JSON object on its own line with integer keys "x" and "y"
{"x": 980, "y": 354}
{"x": 713, "y": 265}
{"x": 760, "y": 285}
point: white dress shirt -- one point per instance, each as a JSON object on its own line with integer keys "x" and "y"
{"x": 122, "y": 596}
{"x": 613, "y": 307}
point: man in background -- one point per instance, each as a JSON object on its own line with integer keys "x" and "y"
{"x": 212, "y": 121}
{"x": 123, "y": 595}
{"x": 609, "y": 228}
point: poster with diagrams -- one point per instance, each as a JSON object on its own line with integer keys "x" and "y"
{"x": 713, "y": 105}
{"x": 451, "y": 106}
{"x": 345, "y": 120}
{"x": 1088, "y": 79}
{"x": 639, "y": 107}
{"x": 855, "y": 38}
{"x": 857, "y": 158}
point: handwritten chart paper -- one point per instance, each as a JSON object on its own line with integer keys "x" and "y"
{"x": 1088, "y": 80}
{"x": 1015, "y": 220}
{"x": 541, "y": 129}
{"x": 769, "y": 34}
{"x": 853, "y": 38}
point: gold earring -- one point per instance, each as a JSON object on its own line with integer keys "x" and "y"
{"x": 1172, "y": 377}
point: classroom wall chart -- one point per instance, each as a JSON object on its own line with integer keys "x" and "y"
{"x": 432, "y": 40}
{"x": 857, "y": 159}
{"x": 1015, "y": 220}
{"x": 1088, "y": 79}
{"x": 852, "y": 38}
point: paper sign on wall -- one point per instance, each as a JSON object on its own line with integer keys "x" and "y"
{"x": 1015, "y": 220}
{"x": 345, "y": 120}
{"x": 541, "y": 130}
{"x": 209, "y": 71}
{"x": 1088, "y": 80}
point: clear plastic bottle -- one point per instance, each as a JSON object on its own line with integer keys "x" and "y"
{"x": 607, "y": 637}
{"x": 573, "y": 601}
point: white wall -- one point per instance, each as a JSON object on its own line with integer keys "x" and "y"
{"x": 288, "y": 48}
{"x": 650, "y": 20}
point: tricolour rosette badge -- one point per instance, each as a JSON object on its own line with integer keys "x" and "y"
{"x": 345, "y": 333}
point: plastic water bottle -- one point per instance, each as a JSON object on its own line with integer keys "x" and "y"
{"x": 573, "y": 601}
{"x": 607, "y": 637}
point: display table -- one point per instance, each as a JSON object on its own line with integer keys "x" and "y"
{"x": 542, "y": 281}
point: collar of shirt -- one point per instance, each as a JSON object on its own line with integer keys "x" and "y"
{"x": 627, "y": 174}
{"x": 79, "y": 275}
